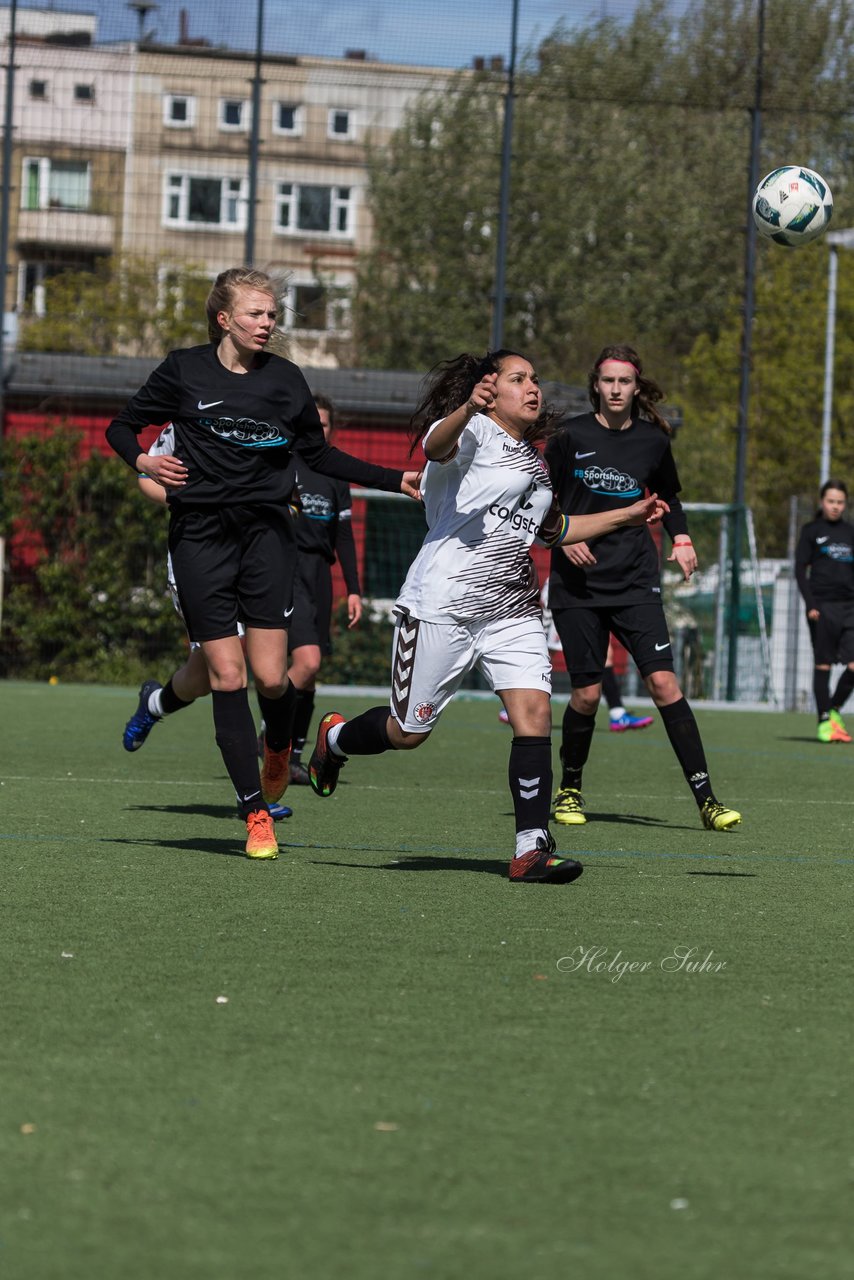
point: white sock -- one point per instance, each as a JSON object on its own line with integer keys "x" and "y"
{"x": 527, "y": 840}
{"x": 617, "y": 713}
{"x": 332, "y": 738}
{"x": 155, "y": 706}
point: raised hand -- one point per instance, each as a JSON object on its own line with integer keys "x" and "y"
{"x": 482, "y": 397}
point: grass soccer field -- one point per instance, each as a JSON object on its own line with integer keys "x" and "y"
{"x": 375, "y": 1057}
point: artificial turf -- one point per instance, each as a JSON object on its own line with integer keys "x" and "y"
{"x": 377, "y": 1058}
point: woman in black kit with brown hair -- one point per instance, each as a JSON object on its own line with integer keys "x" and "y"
{"x": 239, "y": 413}
{"x": 824, "y": 569}
{"x": 601, "y": 461}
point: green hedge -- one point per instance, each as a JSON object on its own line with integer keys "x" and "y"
{"x": 86, "y": 596}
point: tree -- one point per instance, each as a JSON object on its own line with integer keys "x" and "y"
{"x": 124, "y": 307}
{"x": 786, "y": 393}
{"x": 628, "y": 190}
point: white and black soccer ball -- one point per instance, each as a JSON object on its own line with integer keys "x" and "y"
{"x": 792, "y": 205}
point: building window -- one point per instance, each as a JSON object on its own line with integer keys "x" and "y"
{"x": 38, "y": 89}
{"x": 341, "y": 124}
{"x": 179, "y": 110}
{"x": 287, "y": 118}
{"x": 233, "y": 114}
{"x": 84, "y": 93}
{"x": 315, "y": 308}
{"x": 35, "y": 276}
{"x": 192, "y": 201}
{"x": 55, "y": 184}
{"x": 314, "y": 210}
{"x": 309, "y": 307}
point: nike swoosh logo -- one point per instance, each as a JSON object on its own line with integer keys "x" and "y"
{"x": 210, "y": 404}
{"x": 586, "y": 455}
{"x": 659, "y": 647}
{"x": 288, "y": 612}
{"x": 824, "y": 539}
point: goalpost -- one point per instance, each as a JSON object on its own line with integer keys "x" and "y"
{"x": 698, "y": 610}
{"x": 389, "y": 529}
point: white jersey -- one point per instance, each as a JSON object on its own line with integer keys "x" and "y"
{"x": 165, "y": 443}
{"x": 484, "y": 508}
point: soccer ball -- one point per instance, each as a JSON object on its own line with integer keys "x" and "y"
{"x": 792, "y": 205}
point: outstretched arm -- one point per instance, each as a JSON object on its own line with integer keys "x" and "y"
{"x": 558, "y": 530}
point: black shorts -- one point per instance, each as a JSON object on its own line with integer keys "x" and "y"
{"x": 584, "y": 633}
{"x": 312, "y": 603}
{"x": 233, "y": 564}
{"x": 832, "y": 633}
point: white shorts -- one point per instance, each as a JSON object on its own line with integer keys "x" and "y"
{"x": 430, "y": 660}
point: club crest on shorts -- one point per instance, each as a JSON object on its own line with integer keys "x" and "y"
{"x": 425, "y": 711}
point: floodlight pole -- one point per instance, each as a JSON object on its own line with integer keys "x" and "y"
{"x": 739, "y": 491}
{"x": 829, "y": 344}
{"x": 836, "y": 240}
{"x": 5, "y": 198}
{"x": 504, "y": 192}
{"x": 254, "y": 137}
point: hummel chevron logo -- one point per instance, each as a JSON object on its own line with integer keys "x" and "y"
{"x": 407, "y": 634}
{"x": 659, "y": 647}
{"x": 528, "y": 788}
{"x": 210, "y": 404}
{"x": 586, "y": 455}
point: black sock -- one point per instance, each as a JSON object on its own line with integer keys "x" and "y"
{"x": 235, "y": 737}
{"x": 365, "y": 735}
{"x": 575, "y": 747}
{"x": 821, "y": 692}
{"x": 530, "y": 774}
{"x": 843, "y": 689}
{"x": 684, "y": 735}
{"x": 611, "y": 688}
{"x": 169, "y": 700}
{"x": 278, "y": 716}
{"x": 302, "y": 719}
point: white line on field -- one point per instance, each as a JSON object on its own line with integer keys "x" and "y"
{"x": 222, "y": 784}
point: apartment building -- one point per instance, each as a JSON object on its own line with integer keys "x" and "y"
{"x": 145, "y": 149}
{"x": 71, "y": 116}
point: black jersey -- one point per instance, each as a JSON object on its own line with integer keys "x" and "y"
{"x": 595, "y": 469}
{"x": 824, "y": 561}
{"x": 324, "y": 526}
{"x": 235, "y": 431}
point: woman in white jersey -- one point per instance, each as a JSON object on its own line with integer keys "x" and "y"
{"x": 471, "y": 597}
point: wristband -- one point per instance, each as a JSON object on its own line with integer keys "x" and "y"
{"x": 682, "y": 541}
{"x": 557, "y": 539}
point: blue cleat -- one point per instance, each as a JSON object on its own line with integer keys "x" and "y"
{"x": 279, "y": 811}
{"x": 142, "y": 721}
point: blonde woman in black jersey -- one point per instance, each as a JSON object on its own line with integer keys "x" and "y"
{"x": 239, "y": 414}
{"x": 599, "y": 462}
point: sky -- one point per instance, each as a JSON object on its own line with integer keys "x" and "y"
{"x": 445, "y": 33}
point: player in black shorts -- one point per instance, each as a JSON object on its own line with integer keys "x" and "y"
{"x": 238, "y": 412}
{"x": 598, "y": 462}
{"x": 824, "y": 568}
{"x": 324, "y": 531}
